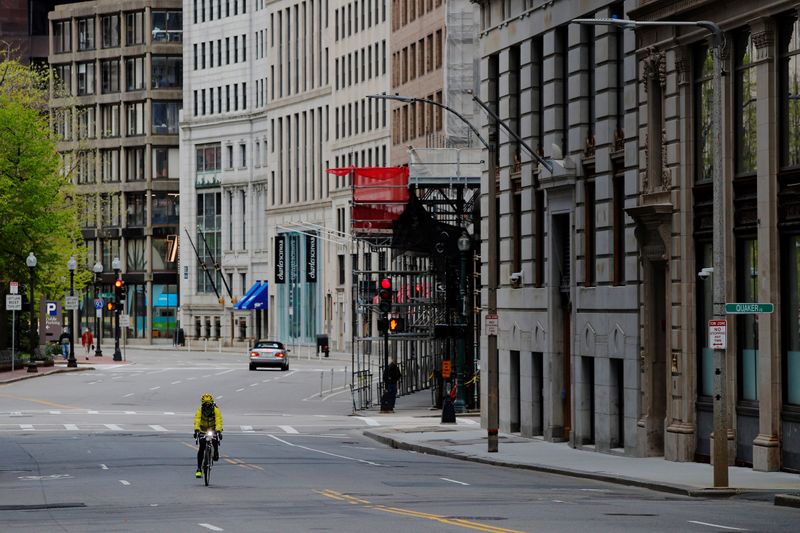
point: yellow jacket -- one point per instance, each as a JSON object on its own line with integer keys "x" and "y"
{"x": 202, "y": 423}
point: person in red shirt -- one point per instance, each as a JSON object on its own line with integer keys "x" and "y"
{"x": 87, "y": 340}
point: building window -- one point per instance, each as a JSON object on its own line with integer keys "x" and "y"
{"x": 109, "y": 162}
{"x": 137, "y": 209}
{"x": 747, "y": 325}
{"x": 341, "y": 269}
{"x": 62, "y": 80}
{"x": 86, "y": 81}
{"x": 746, "y": 100}
{"x": 168, "y": 26}
{"x": 86, "y": 167}
{"x": 167, "y": 72}
{"x": 791, "y": 355}
{"x": 86, "y": 122}
{"x": 135, "y": 114}
{"x": 86, "y": 33}
{"x": 62, "y": 36}
{"x": 789, "y": 73}
{"x": 589, "y": 234}
{"x": 516, "y": 226}
{"x": 62, "y": 124}
{"x": 134, "y": 73}
{"x": 165, "y": 162}
{"x": 209, "y": 157}
{"x": 109, "y": 76}
{"x": 109, "y": 120}
{"x": 110, "y": 210}
{"x": 209, "y": 221}
{"x": 165, "y": 209}
{"x": 134, "y": 164}
{"x": 242, "y": 156}
{"x": 165, "y": 118}
{"x": 539, "y": 237}
{"x": 618, "y": 228}
{"x": 703, "y": 101}
{"x": 705, "y": 359}
{"x": 134, "y": 28}
{"x": 109, "y": 28}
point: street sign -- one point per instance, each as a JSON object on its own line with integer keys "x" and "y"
{"x": 71, "y": 302}
{"x": 492, "y": 324}
{"x": 13, "y": 287}
{"x": 446, "y": 368}
{"x": 98, "y": 313}
{"x": 718, "y": 334}
{"x": 124, "y": 321}
{"x": 748, "y": 308}
{"x": 98, "y": 303}
{"x": 13, "y": 302}
{"x": 106, "y": 295}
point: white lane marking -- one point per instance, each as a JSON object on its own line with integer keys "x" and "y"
{"x": 91, "y": 412}
{"x": 169, "y": 412}
{"x": 190, "y": 379}
{"x": 70, "y": 427}
{"x": 157, "y": 428}
{"x": 369, "y": 421}
{"x": 26, "y": 426}
{"x": 224, "y": 372}
{"x": 130, "y": 412}
{"x": 55, "y": 412}
{"x": 128, "y": 395}
{"x": 103, "y": 467}
{"x": 453, "y": 481}
{"x": 219, "y": 397}
{"x": 288, "y": 429}
{"x": 157, "y": 371}
{"x": 124, "y": 482}
{"x": 113, "y": 427}
{"x": 559, "y": 501}
{"x": 155, "y": 388}
{"x": 323, "y": 452}
{"x": 254, "y": 384}
{"x": 247, "y": 428}
{"x": 715, "y": 525}
{"x": 15, "y": 413}
{"x": 175, "y": 382}
{"x": 211, "y": 527}
{"x": 467, "y": 422}
{"x": 266, "y": 380}
{"x": 239, "y": 390}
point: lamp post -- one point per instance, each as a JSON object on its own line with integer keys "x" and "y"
{"x": 31, "y": 262}
{"x": 98, "y": 314}
{"x": 115, "y": 265}
{"x": 72, "y": 265}
{"x": 720, "y": 453}
{"x": 464, "y": 245}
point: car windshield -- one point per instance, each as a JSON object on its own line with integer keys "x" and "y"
{"x": 269, "y": 344}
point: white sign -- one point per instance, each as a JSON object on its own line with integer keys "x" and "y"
{"x": 13, "y": 302}
{"x": 492, "y": 324}
{"x": 70, "y": 302}
{"x": 718, "y": 334}
{"x": 124, "y": 321}
{"x": 13, "y": 287}
{"x": 98, "y": 313}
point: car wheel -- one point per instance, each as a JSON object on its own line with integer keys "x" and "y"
{"x": 252, "y": 367}
{"x": 284, "y": 368}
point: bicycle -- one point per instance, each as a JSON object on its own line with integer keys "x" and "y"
{"x": 208, "y": 455}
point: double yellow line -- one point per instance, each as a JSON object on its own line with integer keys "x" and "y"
{"x": 467, "y": 524}
{"x": 232, "y": 460}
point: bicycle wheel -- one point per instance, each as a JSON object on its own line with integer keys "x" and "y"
{"x": 207, "y": 465}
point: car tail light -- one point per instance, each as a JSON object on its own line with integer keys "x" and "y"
{"x": 280, "y": 354}
{"x": 253, "y": 354}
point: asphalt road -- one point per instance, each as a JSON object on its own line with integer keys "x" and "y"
{"x": 111, "y": 450}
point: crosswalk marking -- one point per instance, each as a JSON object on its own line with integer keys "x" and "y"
{"x": 91, "y": 412}
{"x": 369, "y": 421}
{"x": 466, "y": 422}
{"x": 113, "y": 427}
{"x": 26, "y": 426}
{"x": 55, "y": 412}
{"x": 288, "y": 429}
{"x": 70, "y": 427}
{"x": 130, "y": 412}
{"x": 157, "y": 427}
{"x": 169, "y": 413}
{"x": 247, "y": 428}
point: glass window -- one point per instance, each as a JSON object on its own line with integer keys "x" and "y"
{"x": 165, "y": 297}
{"x": 110, "y": 251}
{"x": 109, "y": 120}
{"x": 134, "y": 73}
{"x": 110, "y": 208}
{"x": 137, "y": 210}
{"x": 705, "y": 309}
{"x": 134, "y": 27}
{"x": 745, "y": 108}
{"x": 747, "y": 325}
{"x": 109, "y": 76}
{"x": 209, "y": 220}
{"x": 209, "y": 157}
{"x": 86, "y": 83}
{"x": 165, "y": 209}
{"x": 135, "y": 114}
{"x": 167, "y": 26}
{"x": 62, "y": 124}
{"x": 134, "y": 163}
{"x": 167, "y": 71}
{"x": 703, "y": 96}
{"x": 62, "y": 36}
{"x": 165, "y": 118}
{"x": 109, "y": 165}
{"x": 165, "y": 162}
{"x": 86, "y": 33}
{"x": 109, "y": 28}
{"x": 86, "y": 122}
{"x": 137, "y": 257}
{"x": 790, "y": 87}
{"x": 62, "y": 79}
{"x": 791, "y": 356}
{"x": 86, "y": 170}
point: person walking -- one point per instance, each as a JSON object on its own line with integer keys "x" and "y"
{"x": 64, "y": 341}
{"x": 391, "y": 375}
{"x": 87, "y": 341}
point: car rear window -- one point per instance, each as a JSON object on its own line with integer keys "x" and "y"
{"x": 269, "y": 345}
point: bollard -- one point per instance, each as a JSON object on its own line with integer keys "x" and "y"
{"x": 205, "y": 344}
{"x": 220, "y": 345}
{"x": 345, "y": 375}
{"x": 321, "y": 377}
{"x": 188, "y": 345}
{"x": 331, "y": 381}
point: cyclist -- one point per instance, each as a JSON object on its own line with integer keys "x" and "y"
{"x": 208, "y": 416}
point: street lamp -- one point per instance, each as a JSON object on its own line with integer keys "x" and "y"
{"x": 464, "y": 245}
{"x": 115, "y": 265}
{"x": 720, "y": 457}
{"x": 98, "y": 314}
{"x": 72, "y": 265}
{"x": 31, "y": 262}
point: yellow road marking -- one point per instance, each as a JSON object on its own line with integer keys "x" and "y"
{"x": 467, "y": 524}
{"x": 36, "y": 400}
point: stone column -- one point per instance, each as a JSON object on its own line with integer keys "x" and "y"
{"x": 766, "y": 446}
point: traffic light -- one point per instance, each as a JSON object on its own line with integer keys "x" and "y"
{"x": 385, "y": 295}
{"x": 397, "y": 325}
{"x": 119, "y": 285}
{"x": 109, "y": 306}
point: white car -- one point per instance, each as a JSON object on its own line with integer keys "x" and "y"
{"x": 269, "y": 354}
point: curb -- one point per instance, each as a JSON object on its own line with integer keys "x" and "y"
{"x": 788, "y": 500}
{"x": 618, "y": 480}
{"x": 42, "y": 374}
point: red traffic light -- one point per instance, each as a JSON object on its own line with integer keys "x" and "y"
{"x": 386, "y": 283}
{"x": 119, "y": 283}
{"x": 110, "y": 306}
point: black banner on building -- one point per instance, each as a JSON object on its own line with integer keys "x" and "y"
{"x": 311, "y": 258}
{"x": 280, "y": 259}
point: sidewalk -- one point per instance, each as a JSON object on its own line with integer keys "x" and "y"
{"x": 467, "y": 441}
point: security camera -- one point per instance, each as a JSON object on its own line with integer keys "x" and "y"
{"x": 705, "y": 273}
{"x": 516, "y": 278}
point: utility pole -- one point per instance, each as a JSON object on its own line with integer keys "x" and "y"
{"x": 492, "y": 370}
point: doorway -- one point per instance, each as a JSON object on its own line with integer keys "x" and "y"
{"x": 657, "y": 348}
{"x": 617, "y": 414}
{"x": 537, "y": 394}
{"x": 514, "y": 392}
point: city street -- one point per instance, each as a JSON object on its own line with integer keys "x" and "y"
{"x": 111, "y": 449}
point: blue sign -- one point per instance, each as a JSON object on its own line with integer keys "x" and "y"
{"x": 98, "y": 303}
{"x": 51, "y": 308}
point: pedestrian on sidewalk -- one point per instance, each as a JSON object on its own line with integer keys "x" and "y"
{"x": 64, "y": 341}
{"x": 391, "y": 375}
{"x": 87, "y": 341}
